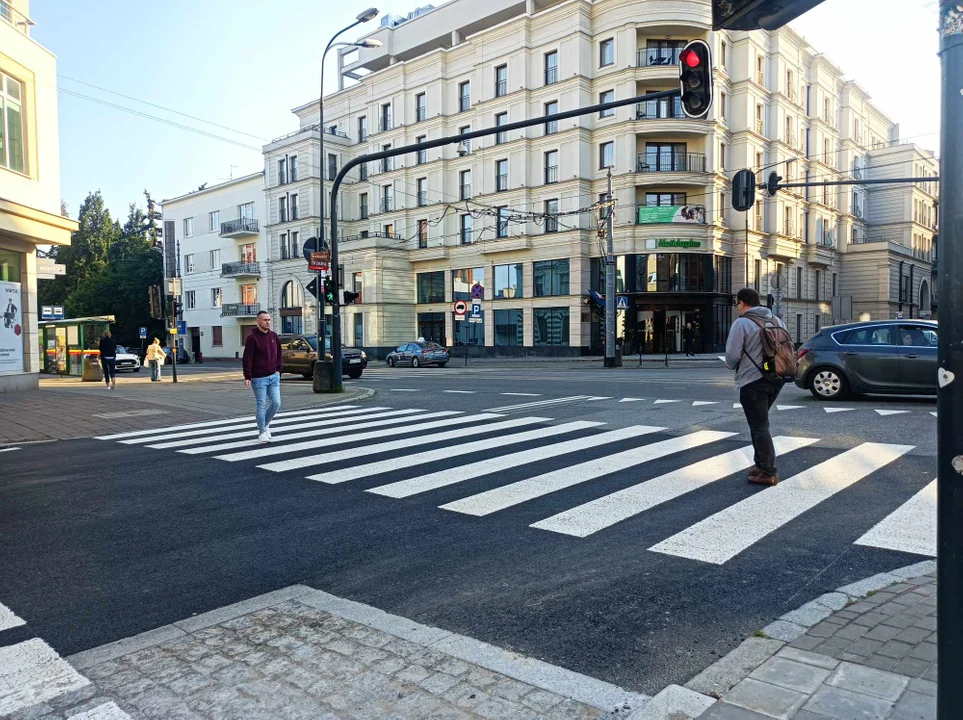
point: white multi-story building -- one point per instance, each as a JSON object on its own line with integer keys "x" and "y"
{"x": 219, "y": 249}
{"x": 29, "y": 189}
{"x": 518, "y": 212}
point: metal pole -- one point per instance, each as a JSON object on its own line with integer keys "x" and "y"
{"x": 320, "y": 304}
{"x": 610, "y": 298}
{"x": 950, "y": 357}
{"x": 746, "y": 214}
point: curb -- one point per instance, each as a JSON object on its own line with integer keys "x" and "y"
{"x": 722, "y": 675}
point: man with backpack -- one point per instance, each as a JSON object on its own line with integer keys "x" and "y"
{"x": 761, "y": 353}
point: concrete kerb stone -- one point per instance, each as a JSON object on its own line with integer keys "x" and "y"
{"x": 673, "y": 702}
{"x": 725, "y": 673}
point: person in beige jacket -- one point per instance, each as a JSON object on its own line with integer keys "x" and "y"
{"x": 156, "y": 357}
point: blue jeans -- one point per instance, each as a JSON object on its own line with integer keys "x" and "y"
{"x": 267, "y": 394}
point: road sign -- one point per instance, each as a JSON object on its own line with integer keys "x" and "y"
{"x": 48, "y": 267}
{"x": 143, "y": 333}
{"x": 313, "y": 287}
{"x": 52, "y": 312}
{"x": 474, "y": 319}
{"x": 476, "y": 309}
{"x": 311, "y": 246}
{"x": 623, "y": 303}
{"x": 320, "y": 261}
{"x": 461, "y": 307}
{"x": 182, "y": 327}
{"x": 899, "y": 316}
{"x": 477, "y": 291}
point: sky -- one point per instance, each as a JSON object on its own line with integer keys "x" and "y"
{"x": 245, "y": 65}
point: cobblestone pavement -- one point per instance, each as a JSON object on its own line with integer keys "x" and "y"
{"x": 67, "y": 409}
{"x": 300, "y": 653}
{"x": 874, "y": 659}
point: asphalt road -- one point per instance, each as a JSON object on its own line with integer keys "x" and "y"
{"x": 104, "y": 539}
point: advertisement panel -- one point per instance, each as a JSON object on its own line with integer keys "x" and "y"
{"x": 672, "y": 214}
{"x": 11, "y": 330}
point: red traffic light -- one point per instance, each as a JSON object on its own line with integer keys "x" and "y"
{"x": 691, "y": 58}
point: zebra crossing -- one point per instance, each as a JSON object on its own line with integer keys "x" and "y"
{"x": 408, "y": 452}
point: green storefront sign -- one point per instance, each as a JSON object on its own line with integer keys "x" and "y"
{"x": 679, "y": 243}
{"x": 695, "y": 214}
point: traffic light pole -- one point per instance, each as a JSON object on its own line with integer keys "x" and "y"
{"x": 610, "y": 299}
{"x": 950, "y": 359}
{"x": 428, "y": 145}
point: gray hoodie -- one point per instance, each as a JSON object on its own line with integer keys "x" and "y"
{"x": 744, "y": 337}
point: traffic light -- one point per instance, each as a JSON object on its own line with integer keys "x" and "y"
{"x": 350, "y": 297}
{"x": 743, "y": 190}
{"x": 329, "y": 291}
{"x": 772, "y": 184}
{"x": 695, "y": 75}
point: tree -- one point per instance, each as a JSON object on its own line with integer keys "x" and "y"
{"x": 133, "y": 236}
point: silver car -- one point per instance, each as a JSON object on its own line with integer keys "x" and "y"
{"x": 884, "y": 356}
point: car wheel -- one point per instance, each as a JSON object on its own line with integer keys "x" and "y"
{"x": 415, "y": 362}
{"x": 354, "y": 375}
{"x": 391, "y": 362}
{"x": 828, "y": 384}
{"x": 136, "y": 369}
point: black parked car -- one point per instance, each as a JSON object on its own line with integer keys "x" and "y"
{"x": 884, "y": 356}
{"x": 301, "y": 351}
{"x": 417, "y": 354}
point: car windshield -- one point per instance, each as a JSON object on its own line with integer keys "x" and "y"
{"x": 432, "y": 346}
{"x": 121, "y": 349}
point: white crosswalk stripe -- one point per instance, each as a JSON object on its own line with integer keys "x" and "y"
{"x": 724, "y": 535}
{"x": 331, "y": 457}
{"x": 500, "y": 498}
{"x": 538, "y": 404}
{"x": 599, "y": 514}
{"x": 910, "y": 528}
{"x": 453, "y": 475}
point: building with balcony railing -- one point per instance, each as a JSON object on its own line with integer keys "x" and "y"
{"x": 537, "y": 57}
{"x": 216, "y": 240}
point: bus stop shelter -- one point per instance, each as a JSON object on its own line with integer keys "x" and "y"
{"x": 65, "y": 343}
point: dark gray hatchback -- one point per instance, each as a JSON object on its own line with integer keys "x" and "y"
{"x": 885, "y": 356}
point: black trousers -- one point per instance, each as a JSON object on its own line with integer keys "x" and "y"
{"x": 108, "y": 365}
{"x": 757, "y": 398}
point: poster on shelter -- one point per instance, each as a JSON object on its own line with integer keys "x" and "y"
{"x": 11, "y": 329}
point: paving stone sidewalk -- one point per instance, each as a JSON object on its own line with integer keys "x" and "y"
{"x": 874, "y": 659}
{"x": 301, "y": 653}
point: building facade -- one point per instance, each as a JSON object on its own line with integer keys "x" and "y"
{"x": 29, "y": 189}
{"x": 522, "y": 212}
{"x": 218, "y": 255}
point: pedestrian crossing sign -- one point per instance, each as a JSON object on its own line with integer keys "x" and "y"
{"x": 623, "y": 303}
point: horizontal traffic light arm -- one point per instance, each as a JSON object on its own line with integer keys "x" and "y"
{"x": 882, "y": 181}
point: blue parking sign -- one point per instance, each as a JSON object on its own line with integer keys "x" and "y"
{"x": 143, "y": 333}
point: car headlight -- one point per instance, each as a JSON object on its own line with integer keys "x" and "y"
{"x": 364, "y": 355}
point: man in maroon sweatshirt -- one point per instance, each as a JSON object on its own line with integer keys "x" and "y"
{"x": 262, "y": 372}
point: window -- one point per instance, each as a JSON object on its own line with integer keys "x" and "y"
{"x": 387, "y": 198}
{"x": 551, "y": 108}
{"x": 661, "y": 52}
{"x": 509, "y": 327}
{"x": 656, "y": 199}
{"x": 464, "y": 185}
{"x": 501, "y": 228}
{"x": 465, "y": 144}
{"x": 245, "y": 211}
{"x": 189, "y": 263}
{"x": 722, "y": 156}
{"x": 501, "y": 175}
{"x": 759, "y": 120}
{"x": 551, "y": 326}
{"x": 362, "y": 128}
{"x": 501, "y": 119}
{"x": 799, "y": 328}
{"x": 466, "y": 229}
{"x": 215, "y": 259}
{"x": 421, "y": 156}
{"x": 501, "y": 80}
{"x": 363, "y": 172}
{"x": 384, "y": 122}
{"x": 358, "y": 329}
{"x": 722, "y": 107}
{"x": 283, "y": 208}
{"x": 508, "y": 281}
{"x": 214, "y": 221}
{"x": 431, "y": 287}
{"x": 551, "y": 167}
{"x": 757, "y": 275}
{"x": 295, "y": 243}
{"x": 550, "y": 277}
{"x": 464, "y": 96}
{"x": 463, "y": 280}
{"x": 249, "y": 294}
{"x": 332, "y": 166}
{"x": 421, "y": 185}
{"x": 217, "y": 335}
{"x": 760, "y": 70}
{"x": 818, "y": 277}
{"x": 607, "y": 97}
{"x": 421, "y": 107}
{"x": 293, "y": 202}
{"x": 879, "y": 335}
{"x": 282, "y": 171}
{"x": 190, "y": 299}
{"x": 11, "y": 125}
{"x": 551, "y": 215}
{"x": 723, "y": 59}
{"x": 551, "y": 68}
{"x": 918, "y": 336}
{"x": 293, "y": 167}
{"x": 606, "y": 155}
{"x": 216, "y": 297}
{"x": 422, "y": 233}
{"x": 758, "y": 160}
{"x": 248, "y": 253}
{"x": 606, "y": 52}
{"x": 816, "y": 323}
{"x": 363, "y": 205}
{"x": 188, "y": 227}
{"x": 799, "y": 283}
{"x": 834, "y": 284}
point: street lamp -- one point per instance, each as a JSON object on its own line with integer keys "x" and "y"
{"x": 363, "y": 17}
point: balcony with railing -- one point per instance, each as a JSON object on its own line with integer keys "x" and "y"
{"x": 670, "y": 161}
{"x": 658, "y": 57}
{"x": 15, "y": 18}
{"x": 501, "y": 183}
{"x": 240, "y": 309}
{"x": 464, "y": 103}
{"x": 386, "y": 165}
{"x": 387, "y": 204}
{"x": 501, "y": 88}
{"x": 551, "y": 75}
{"x": 422, "y": 198}
{"x": 551, "y": 174}
{"x": 336, "y": 132}
{"x": 239, "y": 227}
{"x": 421, "y": 113}
{"x": 384, "y": 123}
{"x": 464, "y": 192}
{"x": 376, "y": 234}
{"x": 241, "y": 269}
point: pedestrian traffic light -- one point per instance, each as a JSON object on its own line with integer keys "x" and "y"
{"x": 329, "y": 291}
{"x": 695, "y": 75}
{"x": 743, "y": 190}
{"x": 350, "y": 297}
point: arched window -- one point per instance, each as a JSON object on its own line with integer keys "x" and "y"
{"x": 292, "y": 300}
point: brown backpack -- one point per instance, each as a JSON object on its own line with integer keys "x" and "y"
{"x": 778, "y": 352}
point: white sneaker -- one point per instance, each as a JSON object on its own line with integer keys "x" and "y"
{"x": 267, "y": 431}
{"x": 264, "y": 437}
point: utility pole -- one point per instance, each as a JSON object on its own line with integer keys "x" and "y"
{"x": 950, "y": 357}
{"x": 610, "y": 299}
